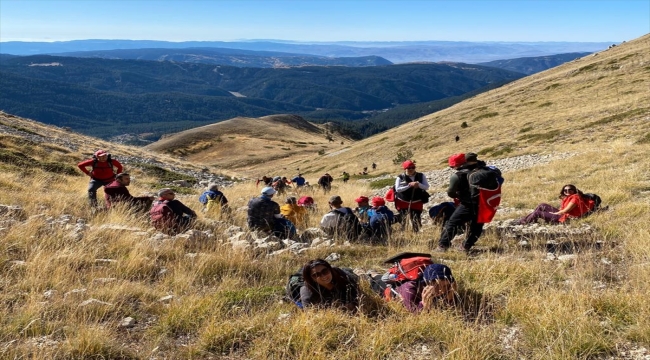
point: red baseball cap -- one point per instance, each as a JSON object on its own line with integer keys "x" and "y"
{"x": 378, "y": 201}
{"x": 456, "y": 160}
{"x": 361, "y": 199}
{"x": 407, "y": 164}
{"x": 101, "y": 152}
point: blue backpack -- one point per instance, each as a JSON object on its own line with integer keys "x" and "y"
{"x": 203, "y": 199}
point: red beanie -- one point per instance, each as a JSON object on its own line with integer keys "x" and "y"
{"x": 407, "y": 164}
{"x": 456, "y": 160}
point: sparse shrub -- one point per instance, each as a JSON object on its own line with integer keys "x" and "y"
{"x": 526, "y": 129}
{"x": 552, "y": 86}
{"x": 644, "y": 140}
{"x": 163, "y": 175}
{"x": 464, "y": 125}
{"x": 401, "y": 143}
{"x": 485, "y": 116}
{"x": 548, "y": 103}
{"x": 402, "y": 155}
{"x": 321, "y": 152}
{"x": 380, "y": 184}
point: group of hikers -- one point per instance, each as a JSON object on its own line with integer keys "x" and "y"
{"x": 413, "y": 279}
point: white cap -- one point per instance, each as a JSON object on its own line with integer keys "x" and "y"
{"x": 268, "y": 191}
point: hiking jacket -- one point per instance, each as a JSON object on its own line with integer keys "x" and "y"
{"x": 262, "y": 213}
{"x": 180, "y": 209}
{"x": 582, "y": 207}
{"x": 407, "y": 197}
{"x": 115, "y": 193}
{"x": 103, "y": 171}
{"x": 294, "y": 213}
{"x": 325, "y": 181}
{"x": 459, "y": 184}
{"x": 299, "y": 181}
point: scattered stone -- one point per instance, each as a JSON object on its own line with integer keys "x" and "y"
{"x": 12, "y": 211}
{"x": 333, "y": 257}
{"x": 49, "y": 294}
{"x": 74, "y": 292}
{"x": 232, "y": 230}
{"x": 241, "y": 245}
{"x": 284, "y": 316}
{"x": 94, "y": 302}
{"x": 567, "y": 258}
{"x": 118, "y": 227}
{"x": 17, "y": 263}
{"x": 105, "y": 261}
{"x": 166, "y": 299}
{"x": 278, "y": 252}
{"x": 127, "y": 322}
{"x": 160, "y": 237}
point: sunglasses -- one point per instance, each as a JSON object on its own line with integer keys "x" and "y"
{"x": 317, "y": 274}
{"x": 410, "y": 168}
{"x": 568, "y": 189}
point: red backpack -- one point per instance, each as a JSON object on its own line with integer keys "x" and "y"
{"x": 409, "y": 269}
{"x": 162, "y": 216}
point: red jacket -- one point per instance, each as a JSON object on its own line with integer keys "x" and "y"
{"x": 116, "y": 192}
{"x": 102, "y": 171}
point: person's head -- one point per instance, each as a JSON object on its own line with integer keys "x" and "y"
{"x": 299, "y": 175}
{"x": 123, "y": 178}
{"x": 471, "y": 158}
{"x": 456, "y": 160}
{"x": 439, "y": 276}
{"x": 569, "y": 189}
{"x": 101, "y": 155}
{"x": 378, "y": 201}
{"x": 409, "y": 167}
{"x": 291, "y": 200}
{"x": 335, "y": 201}
{"x": 213, "y": 187}
{"x": 317, "y": 272}
{"x": 362, "y": 201}
{"x": 166, "y": 194}
{"x": 268, "y": 191}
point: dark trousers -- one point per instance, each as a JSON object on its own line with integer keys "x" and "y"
{"x": 542, "y": 211}
{"x": 414, "y": 215}
{"x": 93, "y": 186}
{"x": 462, "y": 215}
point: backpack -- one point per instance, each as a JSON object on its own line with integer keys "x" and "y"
{"x": 293, "y": 288}
{"x": 207, "y": 196}
{"x": 594, "y": 200}
{"x": 485, "y": 177}
{"x": 162, "y": 216}
{"x": 409, "y": 269}
{"x": 348, "y": 224}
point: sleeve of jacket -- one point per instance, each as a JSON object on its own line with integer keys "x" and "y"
{"x": 452, "y": 190}
{"x": 424, "y": 184}
{"x": 401, "y": 186}
{"x": 118, "y": 166}
{"x": 83, "y": 166}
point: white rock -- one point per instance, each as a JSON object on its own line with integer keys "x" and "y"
{"x": 95, "y": 302}
{"x": 278, "y": 252}
{"x": 333, "y": 257}
{"x": 127, "y": 322}
{"x": 74, "y": 292}
{"x": 166, "y": 299}
{"x": 118, "y": 227}
{"x": 241, "y": 245}
{"x": 566, "y": 258}
{"x": 105, "y": 261}
{"x": 49, "y": 294}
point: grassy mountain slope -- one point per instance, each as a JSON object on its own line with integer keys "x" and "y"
{"x": 532, "y": 65}
{"x": 231, "y": 57}
{"x": 516, "y": 300}
{"x": 243, "y": 144}
{"x": 593, "y": 100}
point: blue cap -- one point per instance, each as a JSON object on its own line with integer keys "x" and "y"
{"x": 437, "y": 271}
{"x": 268, "y": 191}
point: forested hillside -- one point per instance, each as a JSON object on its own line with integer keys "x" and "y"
{"x": 131, "y": 96}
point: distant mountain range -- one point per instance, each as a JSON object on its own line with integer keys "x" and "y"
{"x": 231, "y": 57}
{"x": 112, "y": 97}
{"x": 396, "y": 52}
{"x": 532, "y": 65}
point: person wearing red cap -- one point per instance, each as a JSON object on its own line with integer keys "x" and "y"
{"x": 410, "y": 192}
{"x": 102, "y": 172}
{"x": 467, "y": 210}
{"x": 381, "y": 219}
{"x": 363, "y": 205}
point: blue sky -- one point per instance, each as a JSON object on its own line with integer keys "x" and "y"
{"x": 313, "y": 20}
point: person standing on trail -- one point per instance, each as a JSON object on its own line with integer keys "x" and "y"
{"x": 346, "y": 177}
{"x": 411, "y": 194}
{"x": 299, "y": 181}
{"x": 374, "y": 166}
{"x": 102, "y": 172}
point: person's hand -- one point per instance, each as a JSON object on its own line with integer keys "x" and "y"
{"x": 414, "y": 184}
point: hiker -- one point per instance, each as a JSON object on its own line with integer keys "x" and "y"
{"x": 574, "y": 204}
{"x": 341, "y": 222}
{"x": 213, "y": 199}
{"x": 117, "y": 192}
{"x": 328, "y": 286}
{"x": 411, "y": 194}
{"x": 299, "y": 181}
{"x": 264, "y": 215}
{"x": 436, "y": 284}
{"x": 170, "y": 215}
{"x": 380, "y": 220}
{"x": 363, "y": 205}
{"x": 325, "y": 182}
{"x": 346, "y": 177}
{"x": 457, "y": 138}
{"x": 307, "y": 202}
{"x": 102, "y": 172}
{"x": 266, "y": 180}
{"x": 280, "y": 184}
{"x": 467, "y": 210}
{"x": 374, "y": 166}
{"x": 293, "y": 212}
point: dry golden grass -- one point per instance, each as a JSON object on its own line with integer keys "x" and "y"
{"x": 227, "y": 304}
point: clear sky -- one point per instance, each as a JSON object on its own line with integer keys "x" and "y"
{"x": 314, "y": 20}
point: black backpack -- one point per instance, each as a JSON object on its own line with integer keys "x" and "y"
{"x": 108, "y": 159}
{"x": 596, "y": 199}
{"x": 348, "y": 224}
{"x": 483, "y": 177}
{"x": 293, "y": 288}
